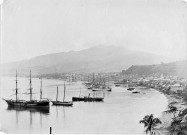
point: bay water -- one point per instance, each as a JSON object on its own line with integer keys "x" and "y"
{"x": 119, "y": 113}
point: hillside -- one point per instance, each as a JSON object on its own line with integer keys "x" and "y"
{"x": 95, "y": 59}
{"x": 178, "y": 68}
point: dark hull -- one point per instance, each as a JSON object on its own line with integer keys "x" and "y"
{"x": 77, "y": 99}
{"x": 37, "y": 103}
{"x": 27, "y": 104}
{"x": 130, "y": 88}
{"x": 101, "y": 89}
{"x": 87, "y": 99}
{"x": 59, "y": 103}
{"x": 90, "y": 99}
{"x": 135, "y": 92}
{"x": 16, "y": 103}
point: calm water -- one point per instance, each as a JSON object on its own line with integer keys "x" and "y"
{"x": 119, "y": 113}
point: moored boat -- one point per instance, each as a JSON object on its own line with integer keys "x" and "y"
{"x": 102, "y": 88}
{"x": 93, "y": 99}
{"x": 87, "y": 99}
{"x": 80, "y": 98}
{"x": 135, "y": 92}
{"x": 36, "y": 103}
{"x": 30, "y": 103}
{"x": 16, "y": 102}
{"x": 130, "y": 88}
{"x": 62, "y": 103}
{"x": 77, "y": 98}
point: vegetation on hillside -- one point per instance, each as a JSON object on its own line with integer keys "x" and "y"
{"x": 175, "y": 68}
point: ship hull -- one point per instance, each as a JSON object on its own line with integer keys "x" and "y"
{"x": 59, "y": 103}
{"x": 98, "y": 89}
{"x": 90, "y": 99}
{"x": 16, "y": 103}
{"x": 130, "y": 89}
{"x": 37, "y": 103}
{"x": 27, "y": 103}
{"x": 87, "y": 99}
{"x": 77, "y": 99}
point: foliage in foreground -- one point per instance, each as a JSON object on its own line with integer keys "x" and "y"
{"x": 178, "y": 124}
{"x": 150, "y": 123}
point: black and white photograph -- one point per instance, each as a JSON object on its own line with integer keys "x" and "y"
{"x": 93, "y": 67}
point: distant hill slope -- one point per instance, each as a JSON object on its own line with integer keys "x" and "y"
{"x": 178, "y": 68}
{"x": 95, "y": 59}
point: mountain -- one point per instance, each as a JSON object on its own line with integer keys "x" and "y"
{"x": 95, "y": 59}
{"x": 177, "y": 68}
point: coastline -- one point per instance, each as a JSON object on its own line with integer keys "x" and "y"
{"x": 166, "y": 118}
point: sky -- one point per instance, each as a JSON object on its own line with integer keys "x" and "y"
{"x": 31, "y": 28}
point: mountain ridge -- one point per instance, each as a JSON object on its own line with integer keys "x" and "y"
{"x": 95, "y": 59}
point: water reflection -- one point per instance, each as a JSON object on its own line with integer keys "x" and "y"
{"x": 41, "y": 111}
{"x": 44, "y": 110}
{"x": 57, "y": 111}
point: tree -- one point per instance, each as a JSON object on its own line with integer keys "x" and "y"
{"x": 172, "y": 109}
{"x": 150, "y": 123}
{"x": 177, "y": 126}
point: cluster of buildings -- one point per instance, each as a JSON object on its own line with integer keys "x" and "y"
{"x": 168, "y": 84}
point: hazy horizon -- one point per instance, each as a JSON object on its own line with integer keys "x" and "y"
{"x": 33, "y": 28}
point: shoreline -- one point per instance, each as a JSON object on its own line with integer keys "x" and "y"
{"x": 166, "y": 118}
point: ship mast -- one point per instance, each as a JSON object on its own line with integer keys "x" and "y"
{"x": 30, "y": 87}
{"x": 57, "y": 94}
{"x": 41, "y": 90}
{"x": 80, "y": 92}
{"x": 93, "y": 80}
{"x": 16, "y": 87}
{"x": 64, "y": 92}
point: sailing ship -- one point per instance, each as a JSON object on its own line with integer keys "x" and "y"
{"x": 101, "y": 86}
{"x": 89, "y": 84}
{"x": 62, "y": 103}
{"x": 16, "y": 102}
{"x": 30, "y": 103}
{"x": 36, "y": 103}
{"x": 97, "y": 84}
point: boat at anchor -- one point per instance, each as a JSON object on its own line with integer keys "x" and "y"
{"x": 36, "y": 103}
{"x": 62, "y": 103}
{"x": 16, "y": 102}
{"x": 31, "y": 102}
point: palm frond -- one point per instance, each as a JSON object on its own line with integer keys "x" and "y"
{"x": 157, "y": 121}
